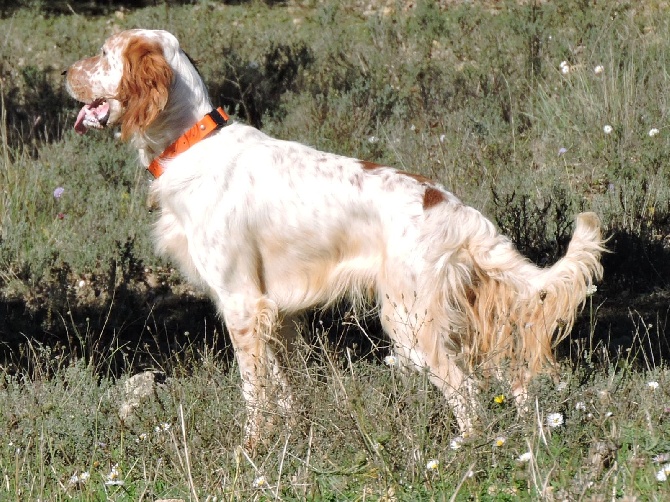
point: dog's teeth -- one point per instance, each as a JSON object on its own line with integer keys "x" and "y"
{"x": 91, "y": 121}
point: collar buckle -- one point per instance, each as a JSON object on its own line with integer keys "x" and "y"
{"x": 219, "y": 119}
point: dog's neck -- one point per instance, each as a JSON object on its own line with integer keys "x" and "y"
{"x": 187, "y": 103}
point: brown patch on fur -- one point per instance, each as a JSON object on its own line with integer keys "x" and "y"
{"x": 144, "y": 86}
{"x": 431, "y": 197}
{"x": 369, "y": 166}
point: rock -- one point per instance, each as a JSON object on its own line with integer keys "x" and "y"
{"x": 135, "y": 389}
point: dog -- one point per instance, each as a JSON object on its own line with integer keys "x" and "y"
{"x": 270, "y": 228}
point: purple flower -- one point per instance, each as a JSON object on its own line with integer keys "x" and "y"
{"x": 561, "y": 151}
{"x": 58, "y": 192}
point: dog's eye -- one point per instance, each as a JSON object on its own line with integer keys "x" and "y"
{"x": 103, "y": 51}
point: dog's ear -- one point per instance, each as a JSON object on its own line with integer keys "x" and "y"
{"x": 145, "y": 85}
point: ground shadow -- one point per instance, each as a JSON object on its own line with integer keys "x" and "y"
{"x": 137, "y": 327}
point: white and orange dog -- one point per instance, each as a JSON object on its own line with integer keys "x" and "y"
{"x": 270, "y": 228}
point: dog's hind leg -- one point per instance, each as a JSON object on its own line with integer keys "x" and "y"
{"x": 417, "y": 340}
{"x": 459, "y": 388}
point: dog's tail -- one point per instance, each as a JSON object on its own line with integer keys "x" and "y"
{"x": 511, "y": 310}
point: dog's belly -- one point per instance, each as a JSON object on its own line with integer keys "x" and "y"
{"x": 334, "y": 265}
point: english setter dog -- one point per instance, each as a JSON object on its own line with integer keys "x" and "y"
{"x": 270, "y": 228}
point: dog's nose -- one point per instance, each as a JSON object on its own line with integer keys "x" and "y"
{"x": 64, "y": 72}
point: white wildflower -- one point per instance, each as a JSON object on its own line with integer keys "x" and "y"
{"x": 260, "y": 482}
{"x": 561, "y": 386}
{"x": 432, "y": 465}
{"x": 391, "y": 361}
{"x": 114, "y": 476}
{"x": 565, "y": 70}
{"x": 554, "y": 420}
{"x": 663, "y": 474}
{"x": 580, "y": 406}
{"x": 456, "y": 443}
{"x": 442, "y": 138}
{"x": 525, "y": 457}
{"x": 83, "y": 477}
{"x": 499, "y": 441}
{"x": 652, "y": 385}
{"x": 163, "y": 427}
{"x": 608, "y": 129}
{"x": 591, "y": 290}
{"x": 660, "y": 458}
{"x": 599, "y": 69}
{"x": 653, "y": 132}
{"x": 373, "y": 139}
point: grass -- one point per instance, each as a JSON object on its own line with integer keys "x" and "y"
{"x": 362, "y": 429}
{"x": 472, "y": 95}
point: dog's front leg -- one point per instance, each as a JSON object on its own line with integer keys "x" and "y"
{"x": 251, "y": 324}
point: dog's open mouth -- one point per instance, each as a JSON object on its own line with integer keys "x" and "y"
{"x": 95, "y": 115}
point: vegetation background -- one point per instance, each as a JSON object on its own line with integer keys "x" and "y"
{"x": 530, "y": 111}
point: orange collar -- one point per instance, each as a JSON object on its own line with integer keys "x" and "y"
{"x": 214, "y": 120}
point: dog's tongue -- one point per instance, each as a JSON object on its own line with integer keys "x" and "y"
{"x": 79, "y": 123}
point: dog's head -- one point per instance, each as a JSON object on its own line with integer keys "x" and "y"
{"x": 127, "y": 84}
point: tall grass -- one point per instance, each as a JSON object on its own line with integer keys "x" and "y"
{"x": 360, "y": 428}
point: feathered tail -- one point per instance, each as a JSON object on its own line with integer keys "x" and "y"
{"x": 517, "y": 311}
{"x": 495, "y": 306}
